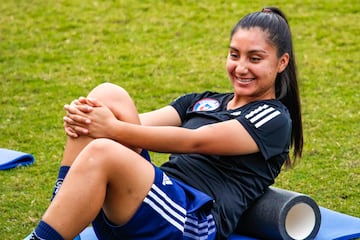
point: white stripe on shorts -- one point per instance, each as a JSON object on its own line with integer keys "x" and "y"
{"x": 167, "y": 208}
{"x": 176, "y": 215}
{"x": 201, "y": 231}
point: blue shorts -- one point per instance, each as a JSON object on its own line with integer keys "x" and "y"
{"x": 171, "y": 210}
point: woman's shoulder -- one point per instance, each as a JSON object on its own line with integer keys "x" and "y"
{"x": 265, "y": 104}
{"x": 271, "y": 112}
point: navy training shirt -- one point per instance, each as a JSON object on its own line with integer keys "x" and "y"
{"x": 233, "y": 181}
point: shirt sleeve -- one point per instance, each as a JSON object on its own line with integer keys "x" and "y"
{"x": 182, "y": 103}
{"x": 269, "y": 126}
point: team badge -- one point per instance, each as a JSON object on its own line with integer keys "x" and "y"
{"x": 206, "y": 104}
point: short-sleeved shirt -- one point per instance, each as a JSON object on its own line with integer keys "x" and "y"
{"x": 234, "y": 182}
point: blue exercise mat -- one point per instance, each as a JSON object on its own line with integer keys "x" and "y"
{"x": 338, "y": 226}
{"x": 11, "y": 159}
{"x": 334, "y": 225}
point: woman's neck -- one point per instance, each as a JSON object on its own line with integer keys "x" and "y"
{"x": 237, "y": 102}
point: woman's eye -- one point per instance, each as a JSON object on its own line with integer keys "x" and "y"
{"x": 255, "y": 59}
{"x": 233, "y": 55}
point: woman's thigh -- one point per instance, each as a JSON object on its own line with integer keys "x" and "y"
{"x": 167, "y": 212}
{"x": 128, "y": 176}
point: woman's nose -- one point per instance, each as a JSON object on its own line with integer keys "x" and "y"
{"x": 241, "y": 67}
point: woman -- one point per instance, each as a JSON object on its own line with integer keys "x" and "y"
{"x": 226, "y": 148}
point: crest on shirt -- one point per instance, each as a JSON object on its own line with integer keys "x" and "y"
{"x": 206, "y": 104}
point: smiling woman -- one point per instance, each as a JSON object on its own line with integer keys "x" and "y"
{"x": 158, "y": 50}
{"x": 225, "y": 149}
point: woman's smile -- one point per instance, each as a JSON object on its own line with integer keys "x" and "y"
{"x": 244, "y": 80}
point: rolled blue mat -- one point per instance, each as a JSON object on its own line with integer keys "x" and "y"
{"x": 11, "y": 159}
{"x": 281, "y": 214}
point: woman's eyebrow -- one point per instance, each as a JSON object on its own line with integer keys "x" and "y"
{"x": 233, "y": 48}
{"x": 257, "y": 51}
{"x": 251, "y": 51}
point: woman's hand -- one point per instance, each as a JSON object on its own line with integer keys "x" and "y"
{"x": 86, "y": 116}
{"x": 71, "y": 120}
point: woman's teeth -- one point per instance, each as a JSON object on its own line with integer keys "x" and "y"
{"x": 245, "y": 79}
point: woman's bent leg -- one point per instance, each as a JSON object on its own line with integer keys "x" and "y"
{"x": 119, "y": 102}
{"x": 122, "y": 106}
{"x": 105, "y": 175}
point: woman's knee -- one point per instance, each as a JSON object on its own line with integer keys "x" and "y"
{"x": 109, "y": 92}
{"x": 118, "y": 100}
{"x": 111, "y": 155}
{"x": 103, "y": 147}
{"x": 97, "y": 153}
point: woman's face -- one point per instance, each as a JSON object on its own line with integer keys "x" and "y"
{"x": 253, "y": 65}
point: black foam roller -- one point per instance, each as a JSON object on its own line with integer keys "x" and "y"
{"x": 281, "y": 214}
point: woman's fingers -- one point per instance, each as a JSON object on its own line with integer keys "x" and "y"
{"x": 73, "y": 128}
{"x": 93, "y": 102}
{"x": 70, "y": 132}
{"x": 78, "y": 108}
{"x": 88, "y": 101}
{"x": 74, "y": 119}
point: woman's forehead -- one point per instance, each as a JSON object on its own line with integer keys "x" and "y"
{"x": 250, "y": 37}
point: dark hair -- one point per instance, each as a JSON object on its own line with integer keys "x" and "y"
{"x": 273, "y": 21}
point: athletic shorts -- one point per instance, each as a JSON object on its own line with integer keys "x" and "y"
{"x": 171, "y": 210}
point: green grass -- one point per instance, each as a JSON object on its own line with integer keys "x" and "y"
{"x": 52, "y": 52}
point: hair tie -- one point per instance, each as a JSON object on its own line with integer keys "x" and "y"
{"x": 267, "y": 10}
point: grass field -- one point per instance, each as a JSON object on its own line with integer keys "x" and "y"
{"x": 54, "y": 51}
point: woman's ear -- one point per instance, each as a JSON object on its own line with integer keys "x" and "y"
{"x": 283, "y": 62}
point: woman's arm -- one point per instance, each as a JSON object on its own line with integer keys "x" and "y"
{"x": 225, "y": 138}
{"x": 166, "y": 116}
{"x": 77, "y": 110}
